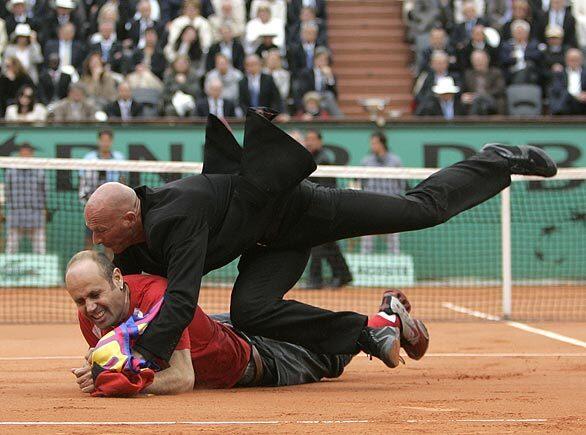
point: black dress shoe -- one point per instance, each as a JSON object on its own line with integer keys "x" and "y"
{"x": 525, "y": 159}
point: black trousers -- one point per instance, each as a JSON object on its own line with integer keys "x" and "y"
{"x": 315, "y": 215}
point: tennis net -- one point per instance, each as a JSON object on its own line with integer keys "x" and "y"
{"x": 521, "y": 254}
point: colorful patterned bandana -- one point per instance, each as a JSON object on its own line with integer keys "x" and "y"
{"x": 116, "y": 372}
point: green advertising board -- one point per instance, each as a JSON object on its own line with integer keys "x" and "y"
{"x": 549, "y": 218}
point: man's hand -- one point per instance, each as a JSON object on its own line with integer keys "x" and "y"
{"x": 84, "y": 378}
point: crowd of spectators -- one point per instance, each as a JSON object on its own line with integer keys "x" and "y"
{"x": 71, "y": 60}
{"x": 516, "y": 57}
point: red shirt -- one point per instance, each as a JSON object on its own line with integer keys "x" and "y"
{"x": 218, "y": 354}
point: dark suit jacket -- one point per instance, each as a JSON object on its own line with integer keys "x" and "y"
{"x": 307, "y": 83}
{"x": 49, "y": 91}
{"x": 78, "y": 52}
{"x": 158, "y": 61}
{"x": 294, "y": 9}
{"x": 298, "y": 58}
{"x": 113, "y": 110}
{"x": 569, "y": 28}
{"x": 11, "y": 23}
{"x": 560, "y": 101}
{"x": 203, "y": 109}
{"x": 431, "y": 106}
{"x": 237, "y": 55}
{"x": 200, "y": 223}
{"x": 133, "y": 31}
{"x": 429, "y": 82}
{"x": 460, "y": 36}
{"x": 269, "y": 94}
{"x": 537, "y": 31}
{"x": 532, "y": 55}
{"x": 115, "y": 56}
{"x": 50, "y": 27}
{"x": 466, "y": 53}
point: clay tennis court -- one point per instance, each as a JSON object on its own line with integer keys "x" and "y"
{"x": 479, "y": 376}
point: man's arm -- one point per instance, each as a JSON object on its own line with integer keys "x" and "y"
{"x": 178, "y": 378}
{"x": 183, "y": 246}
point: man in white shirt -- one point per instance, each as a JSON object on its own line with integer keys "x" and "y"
{"x": 214, "y": 103}
{"x": 568, "y": 89}
{"x": 264, "y": 23}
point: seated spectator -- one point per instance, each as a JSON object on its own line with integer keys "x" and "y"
{"x": 229, "y": 76}
{"x": 312, "y": 108}
{"x": 307, "y": 15}
{"x": 151, "y": 55}
{"x": 427, "y": 15}
{"x": 25, "y": 47}
{"x": 214, "y": 103}
{"x": 191, "y": 17}
{"x": 143, "y": 78}
{"x": 498, "y": 13}
{"x": 226, "y": 16}
{"x": 278, "y": 8}
{"x": 187, "y": 44}
{"x": 17, "y": 14}
{"x": 560, "y": 15}
{"x": 321, "y": 79}
{"x": 302, "y": 54}
{"x": 13, "y": 77}
{"x": 70, "y": 51}
{"x": 75, "y": 107}
{"x": 115, "y": 11}
{"x": 444, "y": 101}
{"x": 463, "y": 32}
{"x": 264, "y": 23}
{"x": 484, "y": 87}
{"x": 438, "y": 40}
{"x": 282, "y": 77}
{"x": 61, "y": 14}
{"x": 105, "y": 43}
{"x": 138, "y": 26}
{"x": 555, "y": 53}
{"x": 440, "y": 62}
{"x": 100, "y": 84}
{"x": 459, "y": 9}
{"x": 180, "y": 88}
{"x": 229, "y": 47}
{"x": 258, "y": 89}
{"x": 26, "y": 107}
{"x": 522, "y": 11}
{"x": 124, "y": 108}
{"x": 579, "y": 12}
{"x": 521, "y": 57}
{"x": 3, "y": 37}
{"x": 478, "y": 41}
{"x": 567, "y": 94}
{"x": 266, "y": 45}
{"x": 53, "y": 81}
{"x": 294, "y": 9}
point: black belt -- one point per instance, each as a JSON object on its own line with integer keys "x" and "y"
{"x": 254, "y": 370}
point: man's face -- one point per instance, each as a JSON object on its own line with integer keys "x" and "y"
{"x": 215, "y": 89}
{"x": 312, "y": 142}
{"x": 479, "y": 61}
{"x": 105, "y": 143}
{"x": 99, "y": 299}
{"x": 469, "y": 11}
{"x": 437, "y": 38}
{"x": 574, "y": 59}
{"x": 309, "y": 34}
{"x": 18, "y": 9}
{"x": 76, "y": 95}
{"x": 520, "y": 34}
{"x": 110, "y": 228}
{"x": 26, "y": 152}
{"x": 124, "y": 92}
{"x": 557, "y": 5}
{"x": 377, "y": 146}
{"x": 222, "y": 64}
{"x": 144, "y": 8}
{"x": 106, "y": 29}
{"x": 439, "y": 64}
{"x": 67, "y": 32}
{"x": 478, "y": 33}
{"x": 252, "y": 65}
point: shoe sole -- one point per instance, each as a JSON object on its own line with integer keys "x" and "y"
{"x": 393, "y": 357}
{"x": 550, "y": 168}
{"x": 417, "y": 351}
{"x": 414, "y": 334}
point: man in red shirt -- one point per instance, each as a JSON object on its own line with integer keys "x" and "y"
{"x": 210, "y": 353}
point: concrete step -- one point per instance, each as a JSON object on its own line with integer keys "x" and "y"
{"x": 378, "y": 47}
{"x": 373, "y": 72}
{"x": 351, "y": 23}
{"x": 366, "y": 35}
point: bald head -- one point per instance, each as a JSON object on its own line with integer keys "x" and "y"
{"x": 113, "y": 215}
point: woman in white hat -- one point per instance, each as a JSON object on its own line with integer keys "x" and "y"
{"x": 26, "y": 49}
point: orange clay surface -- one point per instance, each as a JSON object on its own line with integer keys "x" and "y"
{"x": 479, "y": 377}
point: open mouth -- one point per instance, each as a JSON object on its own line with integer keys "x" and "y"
{"x": 99, "y": 315}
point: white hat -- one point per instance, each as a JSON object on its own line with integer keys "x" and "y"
{"x": 14, "y": 2}
{"x": 493, "y": 37}
{"x": 22, "y": 29}
{"x": 67, "y": 4}
{"x": 445, "y": 85}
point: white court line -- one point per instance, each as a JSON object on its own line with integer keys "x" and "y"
{"x": 427, "y": 355}
{"x": 518, "y": 325}
{"x": 486, "y": 420}
{"x": 172, "y": 423}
